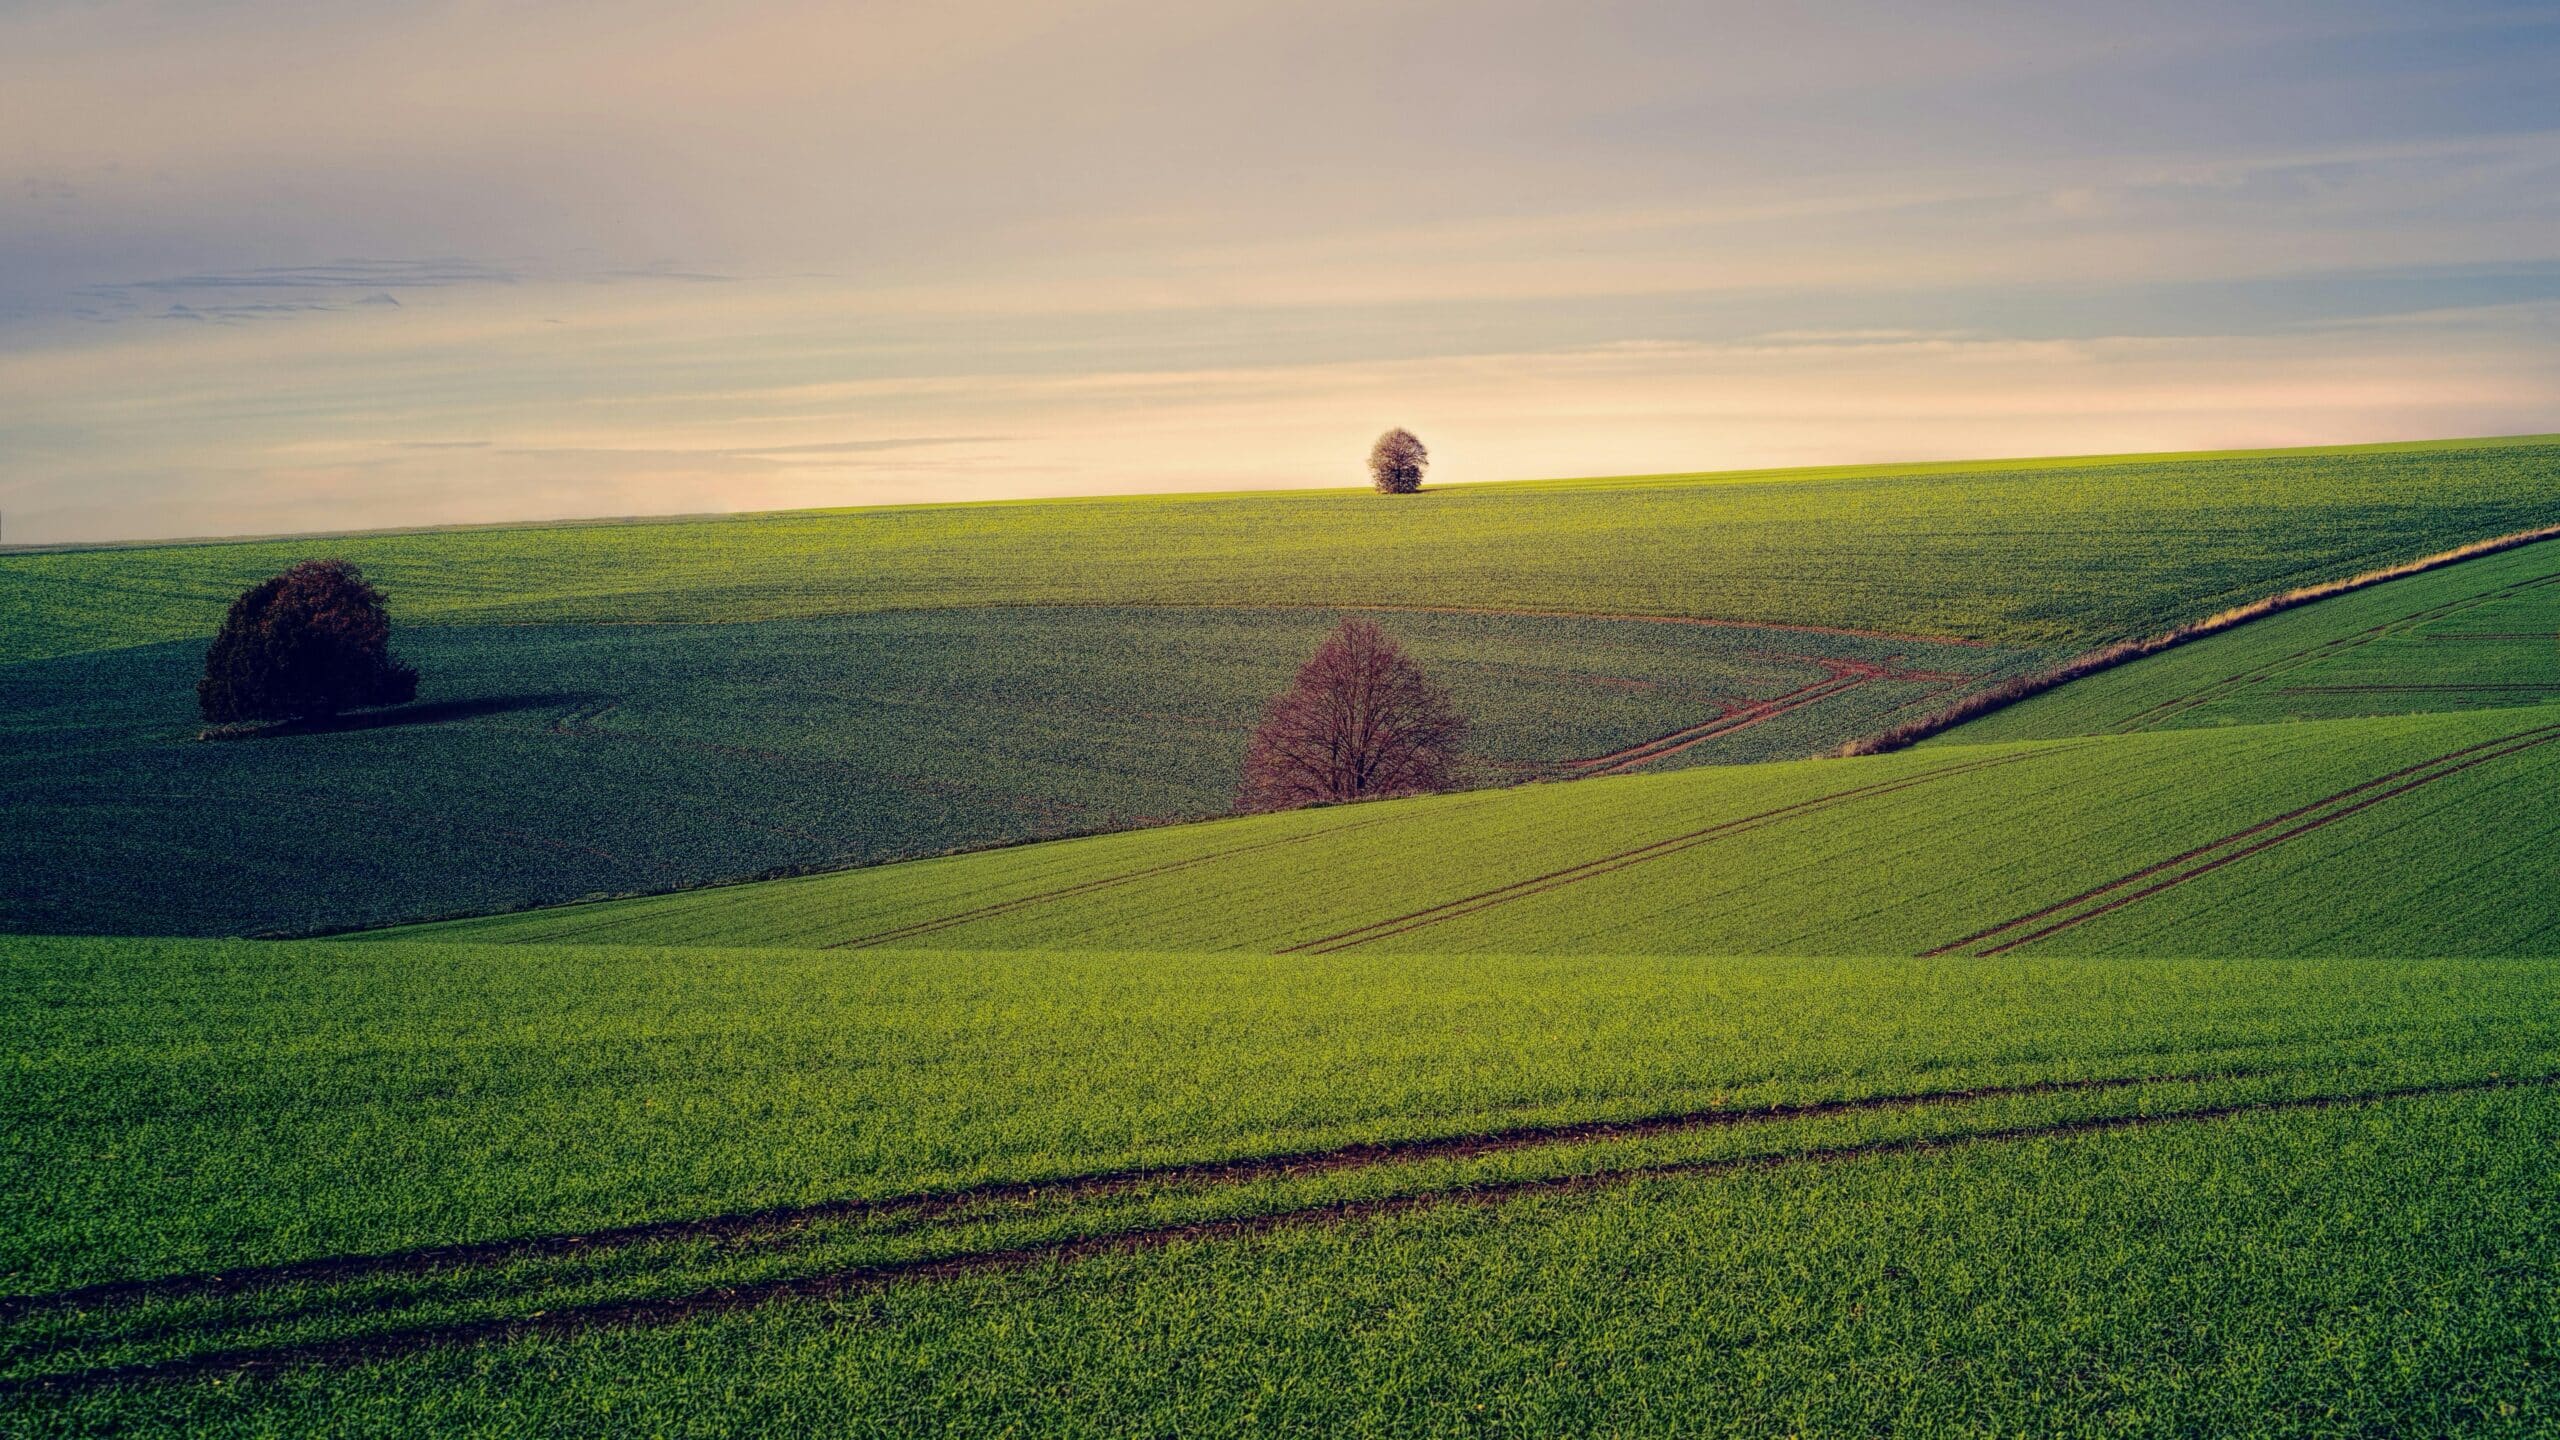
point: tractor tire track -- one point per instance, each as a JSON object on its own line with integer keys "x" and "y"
{"x": 2491, "y": 689}
{"x": 2203, "y": 860}
{"x": 1740, "y": 717}
{"x": 660, "y": 1311}
{"x": 1841, "y": 677}
{"x": 1623, "y": 859}
{"x": 926, "y": 1204}
{"x": 1024, "y": 902}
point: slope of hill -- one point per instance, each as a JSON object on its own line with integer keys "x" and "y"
{"x": 2485, "y": 632}
{"x": 537, "y": 769}
{"x": 2103, "y": 841}
{"x": 2073, "y": 846}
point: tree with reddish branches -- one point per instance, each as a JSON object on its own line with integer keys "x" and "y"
{"x": 1361, "y": 722}
{"x": 305, "y": 644}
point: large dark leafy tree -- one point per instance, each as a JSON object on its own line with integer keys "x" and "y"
{"x": 1396, "y": 463}
{"x": 307, "y": 644}
{"x": 1360, "y": 722}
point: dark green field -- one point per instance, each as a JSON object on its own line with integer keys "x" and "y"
{"x": 553, "y": 762}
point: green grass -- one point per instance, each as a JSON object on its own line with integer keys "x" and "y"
{"x": 1894, "y": 854}
{"x": 554, "y": 762}
{"x": 1018, "y": 1157}
{"x": 2383, "y": 1271}
{"x": 2024, "y": 553}
{"x": 313, "y": 1100}
{"x": 2482, "y": 633}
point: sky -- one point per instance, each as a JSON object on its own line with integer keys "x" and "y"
{"x": 272, "y": 266}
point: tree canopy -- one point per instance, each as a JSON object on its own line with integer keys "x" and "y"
{"x": 1360, "y": 721}
{"x": 306, "y": 644}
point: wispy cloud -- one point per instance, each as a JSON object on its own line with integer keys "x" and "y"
{"x": 790, "y": 251}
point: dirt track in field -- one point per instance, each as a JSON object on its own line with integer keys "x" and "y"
{"x": 1840, "y": 677}
{"x": 675, "y": 1309}
{"x": 2212, "y": 856}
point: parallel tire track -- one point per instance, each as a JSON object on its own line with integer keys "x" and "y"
{"x": 1240, "y": 1170}
{"x": 668, "y": 1310}
{"x": 1024, "y": 902}
{"x": 2215, "y": 854}
{"x": 1757, "y": 713}
{"x": 1637, "y": 855}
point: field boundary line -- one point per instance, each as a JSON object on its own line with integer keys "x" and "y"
{"x": 926, "y": 1203}
{"x": 2427, "y": 772}
{"x": 2002, "y": 696}
{"x": 1741, "y": 717}
{"x": 658, "y": 1311}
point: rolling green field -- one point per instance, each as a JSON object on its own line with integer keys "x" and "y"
{"x": 947, "y": 1158}
{"x": 1894, "y": 854}
{"x": 2052, "y": 553}
{"x": 2179, "y": 1051}
{"x": 549, "y": 762}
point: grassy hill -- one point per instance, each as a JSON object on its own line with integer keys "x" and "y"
{"x": 1520, "y": 1109}
{"x": 2482, "y": 633}
{"x": 2017, "y": 553}
{"x": 2386, "y": 834}
{"x": 1895, "y": 854}
{"x": 807, "y": 683}
{"x": 428, "y": 1181}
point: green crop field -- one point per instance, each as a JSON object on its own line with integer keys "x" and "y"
{"x": 2485, "y": 632}
{"x": 2177, "y": 1052}
{"x": 2023, "y": 554}
{"x": 404, "y": 1181}
{"x": 1895, "y": 854}
{"x": 544, "y": 767}
{"x": 807, "y": 682}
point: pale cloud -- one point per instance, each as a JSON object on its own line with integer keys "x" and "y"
{"x": 286, "y": 262}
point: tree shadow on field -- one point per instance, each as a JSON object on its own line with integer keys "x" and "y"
{"x": 433, "y": 712}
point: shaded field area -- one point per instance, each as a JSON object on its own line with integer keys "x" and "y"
{"x": 411, "y": 1179}
{"x": 554, "y": 762}
{"x": 2025, "y": 554}
{"x": 2481, "y": 634}
{"x": 2394, "y": 835}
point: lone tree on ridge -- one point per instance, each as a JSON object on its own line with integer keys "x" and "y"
{"x": 305, "y": 644}
{"x": 1360, "y": 722}
{"x": 1396, "y": 463}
